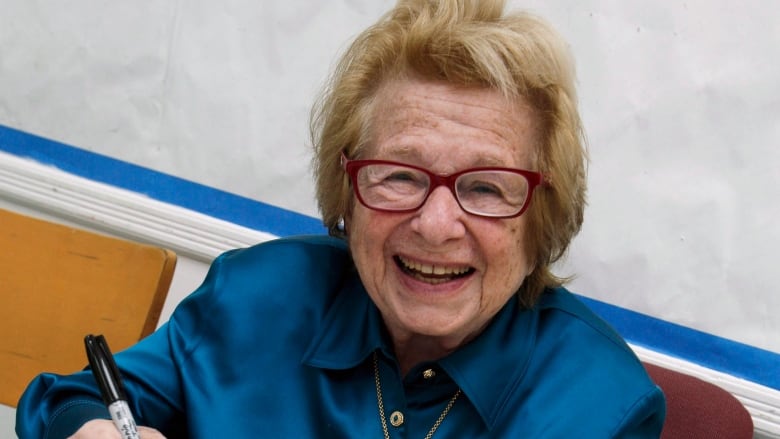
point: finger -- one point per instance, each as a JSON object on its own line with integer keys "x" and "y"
{"x": 97, "y": 428}
{"x": 149, "y": 433}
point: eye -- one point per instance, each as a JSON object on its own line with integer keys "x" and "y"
{"x": 402, "y": 175}
{"x": 395, "y": 178}
{"x": 480, "y": 188}
{"x": 483, "y": 188}
{"x": 398, "y": 176}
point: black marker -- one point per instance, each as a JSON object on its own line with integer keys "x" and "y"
{"x": 107, "y": 376}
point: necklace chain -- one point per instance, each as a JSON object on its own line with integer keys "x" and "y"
{"x": 381, "y": 405}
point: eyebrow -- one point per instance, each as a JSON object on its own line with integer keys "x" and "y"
{"x": 401, "y": 152}
{"x": 413, "y": 155}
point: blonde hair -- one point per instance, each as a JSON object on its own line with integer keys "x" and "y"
{"x": 469, "y": 43}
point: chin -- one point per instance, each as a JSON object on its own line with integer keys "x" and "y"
{"x": 433, "y": 324}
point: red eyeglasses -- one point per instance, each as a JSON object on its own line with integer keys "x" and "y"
{"x": 492, "y": 192}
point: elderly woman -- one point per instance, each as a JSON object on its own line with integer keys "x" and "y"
{"x": 450, "y": 167}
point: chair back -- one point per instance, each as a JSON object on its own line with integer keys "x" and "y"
{"x": 58, "y": 284}
{"x": 699, "y": 409}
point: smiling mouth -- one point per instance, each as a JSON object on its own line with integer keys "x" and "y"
{"x": 432, "y": 274}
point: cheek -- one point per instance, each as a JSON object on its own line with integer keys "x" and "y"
{"x": 516, "y": 253}
{"x": 517, "y": 232}
{"x": 366, "y": 235}
{"x": 356, "y": 232}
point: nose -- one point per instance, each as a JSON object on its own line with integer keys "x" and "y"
{"x": 440, "y": 218}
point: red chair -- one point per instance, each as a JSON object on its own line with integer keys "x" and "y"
{"x": 698, "y": 409}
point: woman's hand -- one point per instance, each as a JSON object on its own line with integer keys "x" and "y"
{"x": 105, "y": 429}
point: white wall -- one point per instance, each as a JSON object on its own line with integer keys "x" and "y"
{"x": 680, "y": 100}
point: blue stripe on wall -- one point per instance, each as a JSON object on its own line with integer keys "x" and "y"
{"x": 740, "y": 360}
{"x": 717, "y": 353}
{"x": 163, "y": 187}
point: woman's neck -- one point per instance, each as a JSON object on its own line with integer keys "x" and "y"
{"x": 413, "y": 349}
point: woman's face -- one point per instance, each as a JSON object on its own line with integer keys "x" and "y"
{"x": 479, "y": 262}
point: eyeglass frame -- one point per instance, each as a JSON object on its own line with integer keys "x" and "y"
{"x": 352, "y": 167}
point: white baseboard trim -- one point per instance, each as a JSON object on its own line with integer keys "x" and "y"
{"x": 119, "y": 212}
{"x": 97, "y": 206}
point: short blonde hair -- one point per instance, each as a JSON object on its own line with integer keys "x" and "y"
{"x": 469, "y": 43}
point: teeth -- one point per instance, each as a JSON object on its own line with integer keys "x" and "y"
{"x": 437, "y": 270}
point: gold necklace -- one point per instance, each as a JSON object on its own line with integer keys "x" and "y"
{"x": 382, "y": 405}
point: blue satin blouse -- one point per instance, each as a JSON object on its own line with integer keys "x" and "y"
{"x": 278, "y": 342}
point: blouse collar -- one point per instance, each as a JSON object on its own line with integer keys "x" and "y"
{"x": 353, "y": 329}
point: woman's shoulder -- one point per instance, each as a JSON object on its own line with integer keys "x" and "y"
{"x": 290, "y": 249}
{"x": 297, "y": 260}
{"x": 584, "y": 365}
{"x": 570, "y": 330}
{"x": 273, "y": 279}
{"x": 565, "y": 309}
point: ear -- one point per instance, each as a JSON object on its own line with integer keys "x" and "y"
{"x": 346, "y": 220}
{"x": 344, "y": 224}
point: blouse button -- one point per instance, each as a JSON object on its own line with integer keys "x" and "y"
{"x": 396, "y": 419}
{"x": 429, "y": 373}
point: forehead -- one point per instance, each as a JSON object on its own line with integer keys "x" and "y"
{"x": 433, "y": 120}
